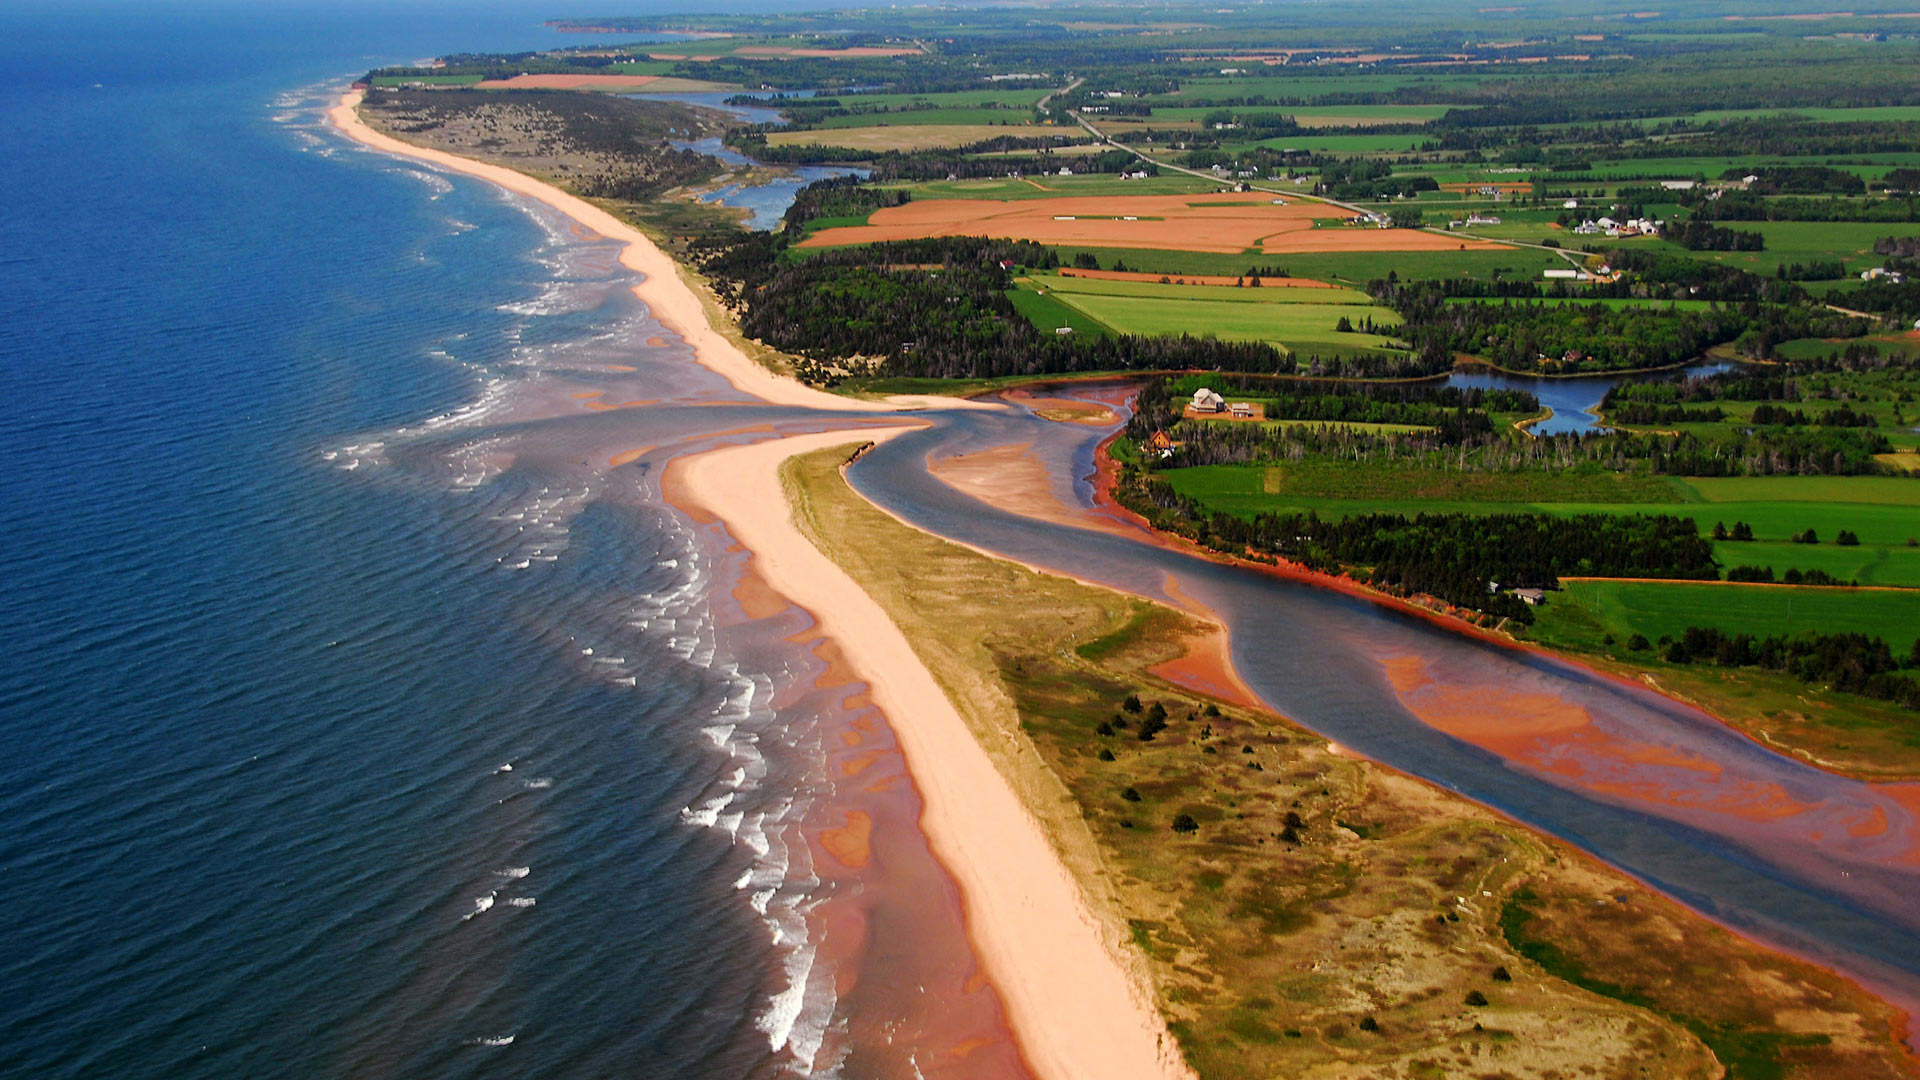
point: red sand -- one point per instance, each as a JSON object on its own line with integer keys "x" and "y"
{"x": 1225, "y": 223}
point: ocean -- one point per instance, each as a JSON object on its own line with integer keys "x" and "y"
{"x": 345, "y": 734}
{"x": 369, "y": 713}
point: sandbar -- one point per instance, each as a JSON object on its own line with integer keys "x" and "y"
{"x": 1070, "y": 998}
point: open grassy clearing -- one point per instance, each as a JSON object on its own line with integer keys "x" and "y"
{"x": 1048, "y": 313}
{"x": 1301, "y": 328}
{"x": 1883, "y": 511}
{"x": 1221, "y": 293}
{"x": 1314, "y": 891}
{"x": 1047, "y": 186}
{"x": 1351, "y": 268}
{"x": 1800, "y": 241}
{"x": 1309, "y": 116}
{"x": 1308, "y": 87}
{"x": 1381, "y": 143}
{"x": 1863, "y": 736}
{"x": 914, "y": 136}
{"x": 1017, "y": 99}
{"x": 1867, "y": 166}
{"x": 1663, "y": 609}
{"x": 961, "y": 116}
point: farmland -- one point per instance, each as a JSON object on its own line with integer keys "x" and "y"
{"x": 1294, "y": 326}
{"x": 1583, "y": 613}
{"x": 1222, "y": 224}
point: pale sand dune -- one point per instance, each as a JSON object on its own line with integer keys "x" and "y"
{"x": 1074, "y": 1007}
{"x": 668, "y": 297}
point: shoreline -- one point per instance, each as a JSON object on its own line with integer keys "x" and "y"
{"x": 1075, "y": 1008}
{"x": 1126, "y": 1033}
{"x": 667, "y": 297}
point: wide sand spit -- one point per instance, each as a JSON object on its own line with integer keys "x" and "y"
{"x": 1077, "y": 1008}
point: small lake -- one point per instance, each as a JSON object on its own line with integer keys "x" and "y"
{"x": 1571, "y": 399}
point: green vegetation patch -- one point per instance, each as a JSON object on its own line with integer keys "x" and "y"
{"x": 1300, "y": 328}
{"x": 1245, "y": 490}
{"x": 1583, "y": 611}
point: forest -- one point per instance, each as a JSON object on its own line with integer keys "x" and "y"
{"x": 1455, "y": 557}
{"x": 1851, "y": 663}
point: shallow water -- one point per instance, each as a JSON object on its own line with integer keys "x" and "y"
{"x": 362, "y": 719}
{"x": 1789, "y": 853}
{"x": 311, "y": 534}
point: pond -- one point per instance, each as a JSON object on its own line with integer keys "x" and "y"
{"x": 1573, "y": 399}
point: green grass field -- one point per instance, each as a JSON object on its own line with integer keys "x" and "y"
{"x": 1018, "y": 99}
{"x": 1309, "y": 87}
{"x": 1053, "y": 187}
{"x": 1048, "y": 313}
{"x": 950, "y": 115}
{"x": 1883, "y": 511}
{"x": 1800, "y": 241}
{"x": 1352, "y": 268}
{"x": 1306, "y": 329}
{"x": 1222, "y": 293}
{"x": 1584, "y": 612}
{"x": 1868, "y": 166}
{"x": 1311, "y": 116}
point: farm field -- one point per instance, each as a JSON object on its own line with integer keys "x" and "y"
{"x": 961, "y": 116}
{"x": 1048, "y": 186}
{"x": 1302, "y": 328}
{"x": 1350, "y": 268}
{"x": 1224, "y": 223}
{"x": 1799, "y": 241}
{"x": 1867, "y": 166}
{"x": 1583, "y": 612}
{"x": 913, "y": 136}
{"x": 1223, "y": 293}
{"x": 1048, "y": 312}
{"x": 1021, "y": 99}
{"x": 1310, "y": 116}
{"x": 1883, "y": 511}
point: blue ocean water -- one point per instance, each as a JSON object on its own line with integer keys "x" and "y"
{"x": 257, "y": 706}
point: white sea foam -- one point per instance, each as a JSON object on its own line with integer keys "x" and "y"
{"x": 515, "y": 872}
{"x": 496, "y": 1040}
{"x": 521, "y": 901}
{"x": 480, "y": 906}
{"x": 508, "y": 767}
{"x": 540, "y": 784}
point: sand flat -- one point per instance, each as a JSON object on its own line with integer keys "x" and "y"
{"x": 1072, "y": 1003}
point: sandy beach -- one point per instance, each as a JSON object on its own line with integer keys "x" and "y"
{"x": 1073, "y": 1004}
{"x": 666, "y": 295}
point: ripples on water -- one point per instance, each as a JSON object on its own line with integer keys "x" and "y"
{"x": 391, "y": 752}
